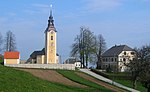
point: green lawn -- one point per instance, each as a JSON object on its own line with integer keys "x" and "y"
{"x": 121, "y": 78}
{"x": 12, "y": 80}
{"x": 129, "y": 84}
{"x": 74, "y": 77}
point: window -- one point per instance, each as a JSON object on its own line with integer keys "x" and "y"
{"x": 125, "y": 53}
{"x": 124, "y": 59}
{"x": 106, "y": 66}
{"x": 112, "y": 59}
{"x": 76, "y": 64}
{"x": 132, "y": 53}
{"x": 115, "y": 59}
{"x": 103, "y": 60}
{"x": 51, "y": 37}
{"x": 106, "y": 59}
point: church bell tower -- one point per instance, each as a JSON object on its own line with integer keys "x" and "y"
{"x": 50, "y": 42}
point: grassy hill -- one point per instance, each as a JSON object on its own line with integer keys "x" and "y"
{"x": 1, "y": 59}
{"x": 12, "y": 80}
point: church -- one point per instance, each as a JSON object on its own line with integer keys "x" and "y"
{"x": 48, "y": 55}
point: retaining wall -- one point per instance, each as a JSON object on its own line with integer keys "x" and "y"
{"x": 44, "y": 66}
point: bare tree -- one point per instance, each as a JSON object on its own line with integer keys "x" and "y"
{"x": 100, "y": 47}
{"x": 83, "y": 46}
{"x": 10, "y": 42}
{"x": 89, "y": 46}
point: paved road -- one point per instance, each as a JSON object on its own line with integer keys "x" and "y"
{"x": 107, "y": 80}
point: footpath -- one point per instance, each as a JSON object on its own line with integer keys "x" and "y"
{"x": 87, "y": 71}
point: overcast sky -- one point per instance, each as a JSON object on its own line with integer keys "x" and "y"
{"x": 119, "y": 21}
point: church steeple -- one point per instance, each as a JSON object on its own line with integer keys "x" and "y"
{"x": 50, "y": 41}
{"x": 50, "y": 22}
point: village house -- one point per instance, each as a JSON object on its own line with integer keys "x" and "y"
{"x": 116, "y": 57}
{"x": 73, "y": 60}
{"x": 11, "y": 58}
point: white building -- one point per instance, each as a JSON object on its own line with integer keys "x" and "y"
{"x": 116, "y": 57}
{"x": 73, "y": 60}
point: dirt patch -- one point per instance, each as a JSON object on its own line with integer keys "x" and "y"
{"x": 53, "y": 76}
{"x": 106, "y": 85}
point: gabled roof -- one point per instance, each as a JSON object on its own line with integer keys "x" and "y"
{"x": 35, "y": 53}
{"x": 11, "y": 55}
{"x": 116, "y": 50}
{"x": 71, "y": 60}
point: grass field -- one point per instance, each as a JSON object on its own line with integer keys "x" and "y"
{"x": 129, "y": 84}
{"x": 74, "y": 77}
{"x": 17, "y": 81}
{"x": 12, "y": 80}
{"x": 124, "y": 81}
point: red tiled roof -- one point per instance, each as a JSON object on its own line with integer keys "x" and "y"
{"x": 11, "y": 55}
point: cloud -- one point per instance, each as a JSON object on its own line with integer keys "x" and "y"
{"x": 101, "y": 5}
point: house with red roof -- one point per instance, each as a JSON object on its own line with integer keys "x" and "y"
{"x": 11, "y": 57}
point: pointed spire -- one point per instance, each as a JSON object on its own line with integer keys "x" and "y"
{"x": 51, "y": 21}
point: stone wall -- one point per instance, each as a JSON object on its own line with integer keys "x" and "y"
{"x": 44, "y": 66}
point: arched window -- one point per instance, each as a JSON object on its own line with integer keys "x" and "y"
{"x": 124, "y": 59}
{"x": 125, "y": 53}
{"x": 51, "y": 37}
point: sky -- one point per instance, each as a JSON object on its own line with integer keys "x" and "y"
{"x": 119, "y": 21}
